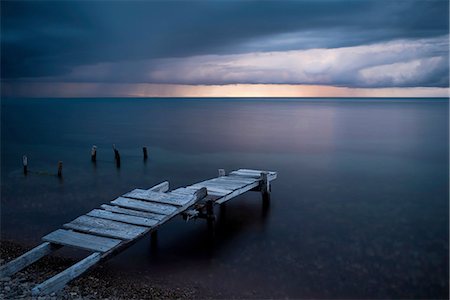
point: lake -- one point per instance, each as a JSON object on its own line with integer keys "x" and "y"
{"x": 360, "y": 208}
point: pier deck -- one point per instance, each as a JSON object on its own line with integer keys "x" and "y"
{"x": 113, "y": 227}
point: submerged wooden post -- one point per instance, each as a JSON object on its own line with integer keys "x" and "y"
{"x": 94, "y": 153}
{"x": 221, "y": 172}
{"x": 116, "y": 156}
{"x": 210, "y": 217}
{"x": 154, "y": 239}
{"x": 60, "y": 165}
{"x": 25, "y": 164}
{"x": 265, "y": 186}
{"x": 144, "y": 150}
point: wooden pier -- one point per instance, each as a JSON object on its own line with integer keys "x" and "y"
{"x": 113, "y": 227}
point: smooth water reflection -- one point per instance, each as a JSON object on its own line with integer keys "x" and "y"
{"x": 360, "y": 207}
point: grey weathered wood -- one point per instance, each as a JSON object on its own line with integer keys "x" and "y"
{"x": 240, "y": 174}
{"x": 165, "y": 198}
{"x": 106, "y": 228}
{"x": 212, "y": 186}
{"x": 162, "y": 187}
{"x": 237, "y": 179}
{"x": 183, "y": 191}
{"x": 200, "y": 194}
{"x": 132, "y": 212}
{"x": 81, "y": 240}
{"x": 264, "y": 182}
{"x": 237, "y": 192}
{"x": 232, "y": 185}
{"x": 27, "y": 259}
{"x": 58, "y": 281}
{"x": 211, "y": 191}
{"x": 257, "y": 171}
{"x": 162, "y": 209}
{"x": 98, "y": 213}
{"x": 114, "y": 228}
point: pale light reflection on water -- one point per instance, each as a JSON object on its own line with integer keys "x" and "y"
{"x": 360, "y": 208}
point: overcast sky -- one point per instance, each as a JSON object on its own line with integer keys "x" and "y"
{"x": 149, "y": 48}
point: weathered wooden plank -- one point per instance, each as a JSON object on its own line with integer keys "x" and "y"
{"x": 227, "y": 184}
{"x": 237, "y": 192}
{"x": 183, "y": 191}
{"x": 257, "y": 171}
{"x": 27, "y": 259}
{"x": 106, "y": 228}
{"x": 211, "y": 191}
{"x": 81, "y": 240}
{"x": 162, "y": 209}
{"x": 98, "y": 213}
{"x": 162, "y": 187}
{"x": 132, "y": 212}
{"x": 58, "y": 281}
{"x": 214, "y": 187}
{"x": 238, "y": 179}
{"x": 245, "y": 174}
{"x": 254, "y": 173}
{"x": 165, "y": 198}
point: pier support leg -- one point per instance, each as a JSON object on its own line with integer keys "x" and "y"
{"x": 210, "y": 217}
{"x": 25, "y": 164}
{"x": 94, "y": 154}
{"x": 60, "y": 165}
{"x": 223, "y": 211}
{"x": 265, "y": 192}
{"x": 117, "y": 157}
{"x": 154, "y": 240}
{"x": 265, "y": 185}
{"x": 144, "y": 150}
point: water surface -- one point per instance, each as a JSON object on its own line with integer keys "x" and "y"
{"x": 359, "y": 209}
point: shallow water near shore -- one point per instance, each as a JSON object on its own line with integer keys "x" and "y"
{"x": 359, "y": 209}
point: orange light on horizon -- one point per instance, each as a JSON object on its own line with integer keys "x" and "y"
{"x": 72, "y": 89}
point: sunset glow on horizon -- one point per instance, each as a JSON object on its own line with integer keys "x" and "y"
{"x": 85, "y": 90}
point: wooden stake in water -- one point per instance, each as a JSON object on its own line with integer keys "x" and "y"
{"x": 25, "y": 164}
{"x": 60, "y": 168}
{"x": 94, "y": 153}
{"x": 265, "y": 186}
{"x": 116, "y": 156}
{"x": 144, "y": 150}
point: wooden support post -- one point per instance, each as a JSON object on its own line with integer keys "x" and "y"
{"x": 154, "y": 239}
{"x": 117, "y": 157}
{"x": 265, "y": 186}
{"x": 222, "y": 211}
{"x": 58, "y": 281}
{"x": 94, "y": 153}
{"x": 210, "y": 217}
{"x": 27, "y": 259}
{"x": 144, "y": 150}
{"x": 60, "y": 165}
{"x": 25, "y": 164}
{"x": 221, "y": 172}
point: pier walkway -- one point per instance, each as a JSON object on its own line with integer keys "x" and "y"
{"x": 110, "y": 229}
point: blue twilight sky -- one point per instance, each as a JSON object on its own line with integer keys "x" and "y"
{"x": 225, "y": 48}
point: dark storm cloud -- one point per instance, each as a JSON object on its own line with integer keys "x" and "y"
{"x": 50, "y": 39}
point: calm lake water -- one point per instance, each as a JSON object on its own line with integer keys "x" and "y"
{"x": 360, "y": 207}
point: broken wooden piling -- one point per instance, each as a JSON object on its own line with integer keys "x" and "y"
{"x": 25, "y": 164}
